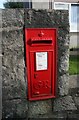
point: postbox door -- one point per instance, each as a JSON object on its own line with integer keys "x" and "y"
{"x": 41, "y": 73}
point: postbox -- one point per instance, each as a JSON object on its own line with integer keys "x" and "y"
{"x": 41, "y": 60}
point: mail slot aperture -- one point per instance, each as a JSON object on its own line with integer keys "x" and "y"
{"x": 41, "y": 41}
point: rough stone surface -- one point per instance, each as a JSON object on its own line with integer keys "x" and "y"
{"x": 74, "y": 81}
{"x": 73, "y": 116}
{"x": 74, "y": 92}
{"x": 15, "y": 102}
{"x": 51, "y": 116}
{"x": 14, "y": 82}
{"x": 54, "y": 19}
{"x": 16, "y": 108}
{"x": 63, "y": 83}
{"x": 64, "y": 103}
{"x": 0, "y": 66}
{"x": 12, "y": 17}
{"x": 41, "y": 107}
{"x": 13, "y": 63}
{"x": 76, "y": 99}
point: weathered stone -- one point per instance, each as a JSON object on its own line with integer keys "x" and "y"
{"x": 73, "y": 115}
{"x": 64, "y": 103}
{"x": 14, "y": 74}
{"x": 0, "y": 66}
{"x": 63, "y": 84}
{"x": 51, "y": 116}
{"x": 39, "y": 107}
{"x": 13, "y": 42}
{"x": 64, "y": 62}
{"x": 47, "y": 18}
{"x": 15, "y": 109}
{"x": 14, "y": 92}
{"x": 13, "y": 69}
{"x": 74, "y": 81}
{"x": 74, "y": 92}
{"x": 12, "y": 17}
{"x": 76, "y": 99}
{"x": 54, "y": 19}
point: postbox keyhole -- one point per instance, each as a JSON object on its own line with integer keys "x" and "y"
{"x": 35, "y": 75}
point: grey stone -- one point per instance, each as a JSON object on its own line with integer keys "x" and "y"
{"x": 76, "y": 99}
{"x": 73, "y": 81}
{"x": 51, "y": 116}
{"x": 63, "y": 84}
{"x": 35, "y": 18}
{"x": 16, "y": 108}
{"x": 12, "y": 17}
{"x": 39, "y": 107}
{"x": 13, "y": 60}
{"x": 70, "y": 115}
{"x": 64, "y": 103}
{"x": 12, "y": 42}
{"x": 14, "y": 92}
{"x": 74, "y": 92}
{"x": 64, "y": 62}
{"x": 73, "y": 116}
{"x": 8, "y": 78}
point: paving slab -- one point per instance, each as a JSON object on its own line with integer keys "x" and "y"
{"x": 74, "y": 81}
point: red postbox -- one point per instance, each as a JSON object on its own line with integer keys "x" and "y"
{"x": 41, "y": 60}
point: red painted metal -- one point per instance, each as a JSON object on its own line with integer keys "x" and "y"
{"x": 41, "y": 60}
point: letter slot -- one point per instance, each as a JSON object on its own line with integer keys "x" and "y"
{"x": 44, "y": 41}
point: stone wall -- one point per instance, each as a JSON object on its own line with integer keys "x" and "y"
{"x": 15, "y": 103}
{"x": 59, "y": 20}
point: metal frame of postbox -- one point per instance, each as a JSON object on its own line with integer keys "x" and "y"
{"x": 41, "y": 48}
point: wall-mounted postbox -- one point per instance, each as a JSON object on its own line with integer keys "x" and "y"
{"x": 41, "y": 57}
